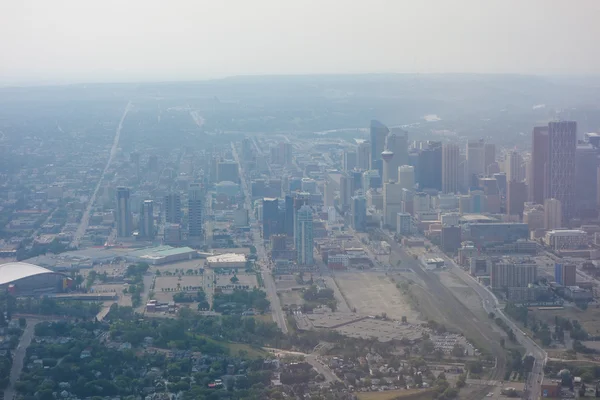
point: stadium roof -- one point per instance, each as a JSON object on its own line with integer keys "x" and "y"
{"x": 13, "y": 271}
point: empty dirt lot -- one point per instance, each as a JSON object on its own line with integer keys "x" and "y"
{"x": 372, "y": 293}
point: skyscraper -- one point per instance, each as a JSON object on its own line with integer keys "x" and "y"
{"x": 397, "y": 143}
{"x": 289, "y": 216}
{"x": 516, "y": 198}
{"x": 304, "y": 236}
{"x": 300, "y": 199}
{"x": 406, "y": 177}
{"x": 514, "y": 167}
{"x": 349, "y": 160}
{"x": 270, "y": 216}
{"x": 387, "y": 157}
{"x": 359, "y": 212}
{"x": 195, "y": 211}
{"x": 123, "y": 213}
{"x": 560, "y": 173}
{"x": 489, "y": 150}
{"x": 378, "y": 133}
{"x": 586, "y": 180}
{"x": 429, "y": 170}
{"x": 450, "y": 161}
{"x": 392, "y": 203}
{"x": 363, "y": 156}
{"x": 475, "y": 161}
{"x": 345, "y": 191}
{"x": 146, "y": 227}
{"x": 552, "y": 214}
{"x": 173, "y": 208}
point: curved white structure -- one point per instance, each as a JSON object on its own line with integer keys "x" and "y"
{"x": 14, "y": 271}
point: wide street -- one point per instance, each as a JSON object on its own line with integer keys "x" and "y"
{"x": 270, "y": 288}
{"x": 85, "y": 218}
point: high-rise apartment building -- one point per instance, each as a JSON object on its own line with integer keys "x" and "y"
{"x": 450, "y": 161}
{"x": 146, "y": 226}
{"x": 123, "y": 213}
{"x": 304, "y": 236}
{"x": 173, "y": 208}
{"x": 552, "y": 214}
{"x": 378, "y": 133}
{"x": 195, "y": 211}
{"x": 560, "y": 173}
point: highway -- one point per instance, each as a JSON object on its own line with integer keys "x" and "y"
{"x": 85, "y": 218}
{"x": 277, "y": 312}
{"x": 490, "y": 304}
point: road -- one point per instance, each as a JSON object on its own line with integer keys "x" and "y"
{"x": 474, "y": 328}
{"x": 85, "y": 218}
{"x": 270, "y": 288}
{"x": 19, "y": 357}
{"x": 490, "y": 304}
{"x": 313, "y": 359}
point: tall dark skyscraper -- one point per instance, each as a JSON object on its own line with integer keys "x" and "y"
{"x": 270, "y": 216}
{"x": 173, "y": 208}
{"x": 289, "y": 216}
{"x": 560, "y": 173}
{"x": 378, "y": 133}
{"x": 195, "y": 211}
{"x": 359, "y": 212}
{"x": 146, "y": 226}
{"x": 586, "y": 181}
{"x": 539, "y": 158}
{"x": 429, "y": 169}
{"x": 123, "y": 212}
{"x": 450, "y": 162}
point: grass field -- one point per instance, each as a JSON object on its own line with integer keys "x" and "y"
{"x": 251, "y": 352}
{"x": 589, "y": 319}
{"x": 397, "y": 394}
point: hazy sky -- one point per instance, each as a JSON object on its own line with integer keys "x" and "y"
{"x": 122, "y": 40}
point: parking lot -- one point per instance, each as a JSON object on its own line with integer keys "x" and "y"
{"x": 372, "y": 293}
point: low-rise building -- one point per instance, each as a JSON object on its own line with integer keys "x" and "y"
{"x": 566, "y": 239}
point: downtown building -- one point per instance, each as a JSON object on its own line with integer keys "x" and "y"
{"x": 124, "y": 225}
{"x": 303, "y": 236}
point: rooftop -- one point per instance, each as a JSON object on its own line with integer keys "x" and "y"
{"x": 14, "y": 271}
{"x": 228, "y": 257}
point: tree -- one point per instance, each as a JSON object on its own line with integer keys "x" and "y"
{"x": 404, "y": 319}
{"x": 458, "y": 350}
{"x": 234, "y": 279}
{"x": 427, "y": 346}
